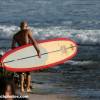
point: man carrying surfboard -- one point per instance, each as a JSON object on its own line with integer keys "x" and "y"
{"x": 23, "y": 37}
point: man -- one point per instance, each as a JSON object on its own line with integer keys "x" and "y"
{"x": 23, "y": 37}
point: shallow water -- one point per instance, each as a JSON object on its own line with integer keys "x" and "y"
{"x": 82, "y": 82}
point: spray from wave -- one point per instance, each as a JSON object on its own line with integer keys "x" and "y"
{"x": 80, "y": 36}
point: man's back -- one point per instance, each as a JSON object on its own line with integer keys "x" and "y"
{"x": 22, "y": 37}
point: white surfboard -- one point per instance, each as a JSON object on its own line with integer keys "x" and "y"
{"x": 53, "y": 52}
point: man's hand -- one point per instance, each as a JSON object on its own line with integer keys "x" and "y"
{"x": 38, "y": 53}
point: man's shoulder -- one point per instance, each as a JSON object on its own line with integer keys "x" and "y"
{"x": 28, "y": 30}
{"x": 16, "y": 34}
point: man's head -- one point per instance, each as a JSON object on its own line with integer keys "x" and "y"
{"x": 23, "y": 25}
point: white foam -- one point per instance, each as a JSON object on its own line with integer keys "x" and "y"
{"x": 72, "y": 62}
{"x": 83, "y": 36}
{"x": 7, "y": 31}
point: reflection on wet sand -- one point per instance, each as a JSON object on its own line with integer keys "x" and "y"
{"x": 80, "y": 83}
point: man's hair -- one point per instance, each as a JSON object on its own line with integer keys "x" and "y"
{"x": 11, "y": 84}
{"x": 23, "y": 23}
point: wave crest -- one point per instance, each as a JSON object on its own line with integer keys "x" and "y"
{"x": 80, "y": 36}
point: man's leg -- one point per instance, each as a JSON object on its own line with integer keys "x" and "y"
{"x": 29, "y": 82}
{"x": 22, "y": 82}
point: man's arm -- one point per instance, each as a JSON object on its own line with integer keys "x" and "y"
{"x": 13, "y": 44}
{"x": 34, "y": 42}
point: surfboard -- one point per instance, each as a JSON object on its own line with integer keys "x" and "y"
{"x": 53, "y": 52}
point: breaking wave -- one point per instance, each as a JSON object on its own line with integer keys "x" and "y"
{"x": 80, "y": 36}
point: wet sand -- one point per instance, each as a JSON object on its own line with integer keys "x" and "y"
{"x": 72, "y": 85}
{"x": 49, "y": 97}
{"x": 59, "y": 97}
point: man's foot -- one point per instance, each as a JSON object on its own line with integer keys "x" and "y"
{"x": 28, "y": 90}
{"x": 22, "y": 90}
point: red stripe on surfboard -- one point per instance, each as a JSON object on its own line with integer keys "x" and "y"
{"x": 40, "y": 67}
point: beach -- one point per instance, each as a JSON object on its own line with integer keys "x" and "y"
{"x": 54, "y": 86}
{"x": 60, "y": 97}
{"x": 50, "y": 97}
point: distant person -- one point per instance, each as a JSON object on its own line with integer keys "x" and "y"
{"x": 9, "y": 92}
{"x": 23, "y": 37}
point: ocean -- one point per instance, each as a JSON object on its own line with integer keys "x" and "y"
{"x": 75, "y": 19}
